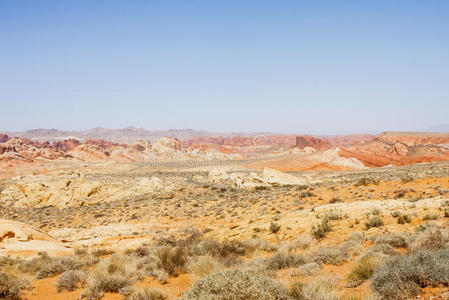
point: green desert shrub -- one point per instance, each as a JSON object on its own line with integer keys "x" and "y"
{"x": 374, "y": 221}
{"x": 233, "y": 284}
{"x": 320, "y": 231}
{"x": 402, "y": 277}
{"x": 402, "y": 219}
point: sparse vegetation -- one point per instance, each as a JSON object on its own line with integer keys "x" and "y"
{"x": 235, "y": 284}
{"x": 374, "y": 221}
{"x": 320, "y": 231}
{"x": 363, "y": 270}
{"x": 69, "y": 280}
{"x": 402, "y": 277}
{"x": 10, "y": 287}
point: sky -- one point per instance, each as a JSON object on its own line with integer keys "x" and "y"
{"x": 316, "y": 67}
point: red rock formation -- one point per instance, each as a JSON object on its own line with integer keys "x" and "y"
{"x": 310, "y": 141}
{"x": 103, "y": 144}
{"x": 415, "y": 140}
{"x": 3, "y": 138}
{"x": 285, "y": 140}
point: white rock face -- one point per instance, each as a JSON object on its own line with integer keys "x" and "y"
{"x": 217, "y": 175}
{"x": 331, "y": 157}
{"x": 167, "y": 145}
{"x": 273, "y": 176}
{"x": 21, "y": 239}
{"x": 269, "y": 177}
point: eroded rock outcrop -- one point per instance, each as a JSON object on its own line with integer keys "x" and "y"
{"x": 24, "y": 240}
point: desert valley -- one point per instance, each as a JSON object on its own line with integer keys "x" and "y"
{"x": 275, "y": 216}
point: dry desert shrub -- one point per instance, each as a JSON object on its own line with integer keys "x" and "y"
{"x": 320, "y": 231}
{"x": 329, "y": 255}
{"x": 33, "y": 265}
{"x": 203, "y": 265}
{"x": 302, "y": 242}
{"x": 396, "y": 240}
{"x": 402, "y": 219}
{"x": 318, "y": 289}
{"x": 309, "y": 268}
{"x": 284, "y": 261}
{"x": 45, "y": 266}
{"x": 59, "y": 265}
{"x": 151, "y": 265}
{"x": 356, "y": 236}
{"x": 402, "y": 277}
{"x": 69, "y": 280}
{"x": 173, "y": 259}
{"x": 381, "y": 249}
{"x": 221, "y": 249}
{"x": 363, "y": 270}
{"x": 146, "y": 294}
{"x": 10, "y": 286}
{"x": 112, "y": 275}
{"x": 254, "y": 244}
{"x": 374, "y": 221}
{"x": 235, "y": 284}
{"x": 432, "y": 238}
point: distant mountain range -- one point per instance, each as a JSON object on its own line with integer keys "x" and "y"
{"x": 439, "y": 128}
{"x": 125, "y": 135}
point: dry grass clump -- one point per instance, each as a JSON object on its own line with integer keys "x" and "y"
{"x": 146, "y": 294}
{"x": 329, "y": 255}
{"x": 236, "y": 285}
{"x": 253, "y": 244}
{"x": 203, "y": 265}
{"x": 319, "y": 289}
{"x": 102, "y": 252}
{"x": 432, "y": 238}
{"x": 374, "y": 221}
{"x": 402, "y": 277}
{"x": 357, "y": 236}
{"x": 309, "y": 268}
{"x": 302, "y": 242}
{"x": 173, "y": 259}
{"x": 33, "y": 265}
{"x": 396, "y": 240}
{"x": 59, "y": 265}
{"x": 223, "y": 249}
{"x": 363, "y": 270}
{"x": 402, "y": 219}
{"x": 10, "y": 286}
{"x": 45, "y": 266}
{"x": 113, "y": 275}
{"x": 381, "y": 249}
{"x": 284, "y": 261}
{"x": 69, "y": 280}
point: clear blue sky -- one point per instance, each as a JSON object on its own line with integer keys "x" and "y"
{"x": 280, "y": 66}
